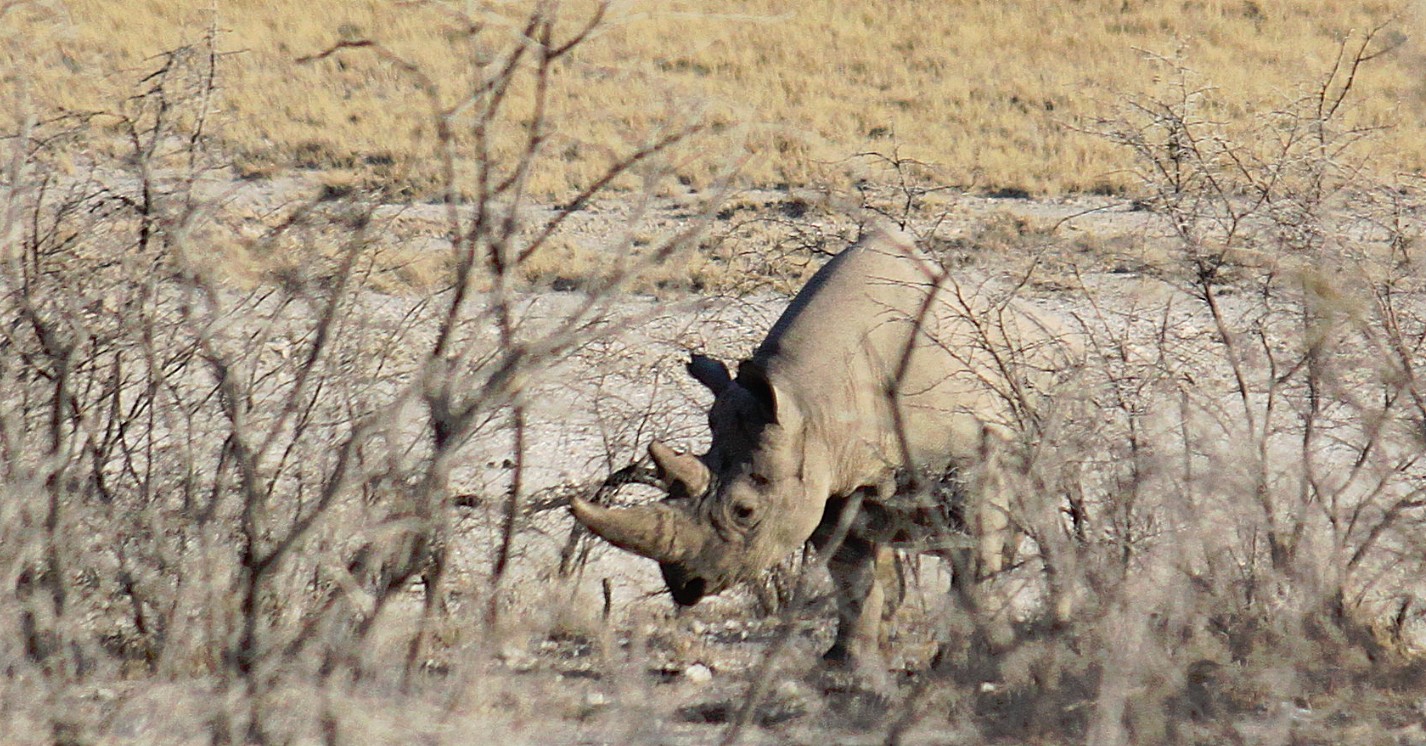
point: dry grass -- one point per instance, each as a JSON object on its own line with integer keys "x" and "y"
{"x": 990, "y": 91}
{"x": 244, "y": 499}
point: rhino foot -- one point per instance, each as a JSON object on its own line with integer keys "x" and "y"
{"x": 863, "y": 673}
{"x": 858, "y": 695}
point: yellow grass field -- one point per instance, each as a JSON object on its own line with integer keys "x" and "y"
{"x": 994, "y": 93}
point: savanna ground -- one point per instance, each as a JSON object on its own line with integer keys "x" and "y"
{"x": 315, "y": 315}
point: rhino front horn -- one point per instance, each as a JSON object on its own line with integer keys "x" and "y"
{"x": 662, "y": 533}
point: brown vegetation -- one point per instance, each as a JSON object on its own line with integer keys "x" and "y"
{"x": 989, "y": 91}
{"x": 254, "y": 489}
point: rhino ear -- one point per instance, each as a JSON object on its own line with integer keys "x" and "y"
{"x": 753, "y": 378}
{"x": 709, "y": 372}
{"x": 682, "y": 473}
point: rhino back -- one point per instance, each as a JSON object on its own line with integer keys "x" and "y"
{"x": 837, "y": 351}
{"x": 847, "y": 305}
{"x": 869, "y": 360}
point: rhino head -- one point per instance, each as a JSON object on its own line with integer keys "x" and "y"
{"x": 754, "y": 498}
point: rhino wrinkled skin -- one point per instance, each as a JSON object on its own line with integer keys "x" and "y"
{"x": 881, "y": 364}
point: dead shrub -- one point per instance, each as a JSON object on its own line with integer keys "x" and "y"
{"x": 253, "y": 482}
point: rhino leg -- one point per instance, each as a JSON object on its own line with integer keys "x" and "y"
{"x": 995, "y": 540}
{"x": 860, "y": 592}
{"x": 989, "y": 516}
{"x": 859, "y": 601}
{"x": 991, "y": 529}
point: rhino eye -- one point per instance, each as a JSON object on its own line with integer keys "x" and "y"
{"x": 758, "y": 479}
{"x": 743, "y": 512}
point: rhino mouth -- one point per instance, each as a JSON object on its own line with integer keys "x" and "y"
{"x": 686, "y": 590}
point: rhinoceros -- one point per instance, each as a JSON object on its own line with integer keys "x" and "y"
{"x": 882, "y": 365}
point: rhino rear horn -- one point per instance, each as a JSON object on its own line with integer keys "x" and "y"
{"x": 660, "y": 532}
{"x": 711, "y": 373}
{"x": 682, "y": 473}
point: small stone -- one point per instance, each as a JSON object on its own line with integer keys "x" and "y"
{"x": 698, "y": 673}
{"x": 789, "y": 689}
{"x": 516, "y": 658}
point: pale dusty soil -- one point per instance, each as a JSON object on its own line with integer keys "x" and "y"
{"x": 1100, "y": 261}
{"x": 648, "y": 675}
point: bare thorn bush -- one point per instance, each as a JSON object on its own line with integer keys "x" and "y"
{"x": 258, "y": 485}
{"x": 1237, "y": 492}
{"x": 287, "y": 460}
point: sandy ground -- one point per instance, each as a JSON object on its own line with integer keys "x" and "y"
{"x": 647, "y": 674}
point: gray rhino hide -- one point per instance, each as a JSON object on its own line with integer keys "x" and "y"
{"x": 881, "y": 365}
